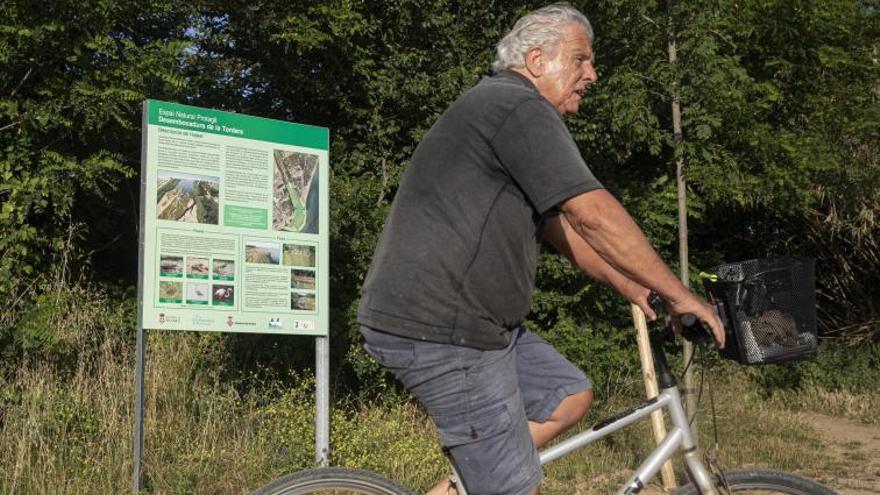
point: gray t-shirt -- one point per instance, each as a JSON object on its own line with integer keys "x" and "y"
{"x": 456, "y": 261}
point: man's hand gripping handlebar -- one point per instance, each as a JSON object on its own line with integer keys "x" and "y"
{"x": 691, "y": 319}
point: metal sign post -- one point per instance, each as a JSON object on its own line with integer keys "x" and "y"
{"x": 322, "y": 401}
{"x": 140, "y": 352}
{"x": 139, "y": 411}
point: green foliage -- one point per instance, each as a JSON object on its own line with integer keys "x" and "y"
{"x": 63, "y": 428}
{"x": 780, "y": 143}
{"x": 779, "y": 114}
{"x": 289, "y": 425}
{"x": 72, "y": 76}
{"x": 391, "y": 437}
{"x": 396, "y": 440}
{"x": 66, "y": 323}
{"x": 586, "y": 322}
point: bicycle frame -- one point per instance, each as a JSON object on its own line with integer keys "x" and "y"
{"x": 679, "y": 437}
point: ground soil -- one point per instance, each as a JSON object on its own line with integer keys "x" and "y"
{"x": 854, "y": 449}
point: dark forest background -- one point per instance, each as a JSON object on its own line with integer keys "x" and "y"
{"x": 781, "y": 117}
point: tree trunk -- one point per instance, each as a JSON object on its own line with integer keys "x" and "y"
{"x": 690, "y": 398}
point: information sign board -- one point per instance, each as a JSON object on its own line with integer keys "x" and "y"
{"x": 234, "y": 219}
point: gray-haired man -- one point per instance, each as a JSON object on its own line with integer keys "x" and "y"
{"x": 452, "y": 277}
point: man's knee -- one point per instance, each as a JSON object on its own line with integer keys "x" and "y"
{"x": 585, "y": 399}
{"x": 573, "y": 408}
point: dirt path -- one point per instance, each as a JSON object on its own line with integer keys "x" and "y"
{"x": 855, "y": 450}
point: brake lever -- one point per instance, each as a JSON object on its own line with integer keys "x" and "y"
{"x": 656, "y": 302}
{"x": 666, "y": 334}
{"x": 692, "y": 328}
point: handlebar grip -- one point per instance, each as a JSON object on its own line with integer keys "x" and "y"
{"x": 692, "y": 329}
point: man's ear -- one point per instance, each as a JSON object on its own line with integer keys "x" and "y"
{"x": 536, "y": 61}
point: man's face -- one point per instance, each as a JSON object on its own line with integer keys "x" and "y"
{"x": 568, "y": 70}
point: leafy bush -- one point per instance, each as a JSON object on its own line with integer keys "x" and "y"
{"x": 392, "y": 437}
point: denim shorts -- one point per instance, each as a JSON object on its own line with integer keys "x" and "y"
{"x": 482, "y": 400}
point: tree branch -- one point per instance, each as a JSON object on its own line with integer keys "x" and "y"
{"x": 384, "y": 183}
{"x": 7, "y": 126}
{"x": 20, "y": 83}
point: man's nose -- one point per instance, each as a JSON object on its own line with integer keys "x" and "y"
{"x": 590, "y": 73}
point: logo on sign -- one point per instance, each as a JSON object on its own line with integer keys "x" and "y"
{"x": 303, "y": 325}
{"x": 163, "y": 318}
{"x": 202, "y": 321}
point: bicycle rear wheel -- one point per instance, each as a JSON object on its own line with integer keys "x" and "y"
{"x": 762, "y": 482}
{"x": 332, "y": 481}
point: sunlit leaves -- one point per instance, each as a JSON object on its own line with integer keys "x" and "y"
{"x": 72, "y": 78}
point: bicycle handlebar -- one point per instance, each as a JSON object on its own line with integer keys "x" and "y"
{"x": 692, "y": 328}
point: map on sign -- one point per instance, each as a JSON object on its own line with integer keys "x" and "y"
{"x": 188, "y": 198}
{"x": 232, "y": 210}
{"x": 295, "y": 200}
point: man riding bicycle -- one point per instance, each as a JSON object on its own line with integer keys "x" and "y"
{"x": 451, "y": 279}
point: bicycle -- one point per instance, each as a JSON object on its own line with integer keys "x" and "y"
{"x": 757, "y": 301}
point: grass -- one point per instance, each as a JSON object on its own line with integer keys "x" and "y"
{"x": 863, "y": 407}
{"x": 67, "y": 428}
{"x": 751, "y": 433}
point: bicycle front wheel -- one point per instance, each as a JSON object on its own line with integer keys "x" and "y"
{"x": 761, "y": 482}
{"x": 332, "y": 481}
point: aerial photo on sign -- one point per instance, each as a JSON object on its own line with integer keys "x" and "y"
{"x": 187, "y": 198}
{"x": 295, "y": 188}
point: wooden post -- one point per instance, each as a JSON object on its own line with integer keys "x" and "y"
{"x": 651, "y": 390}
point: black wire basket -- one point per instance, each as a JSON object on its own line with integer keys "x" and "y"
{"x": 768, "y": 307}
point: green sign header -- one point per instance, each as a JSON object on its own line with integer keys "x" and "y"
{"x": 234, "y": 125}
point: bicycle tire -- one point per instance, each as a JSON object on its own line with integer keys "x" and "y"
{"x": 332, "y": 481}
{"x": 760, "y": 482}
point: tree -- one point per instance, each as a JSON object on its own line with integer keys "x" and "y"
{"x": 72, "y": 77}
{"x": 780, "y": 130}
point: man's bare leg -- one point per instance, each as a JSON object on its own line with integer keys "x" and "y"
{"x": 566, "y": 415}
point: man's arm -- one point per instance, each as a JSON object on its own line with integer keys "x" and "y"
{"x": 558, "y": 232}
{"x": 600, "y": 220}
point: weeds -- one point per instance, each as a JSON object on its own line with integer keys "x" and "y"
{"x": 65, "y": 426}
